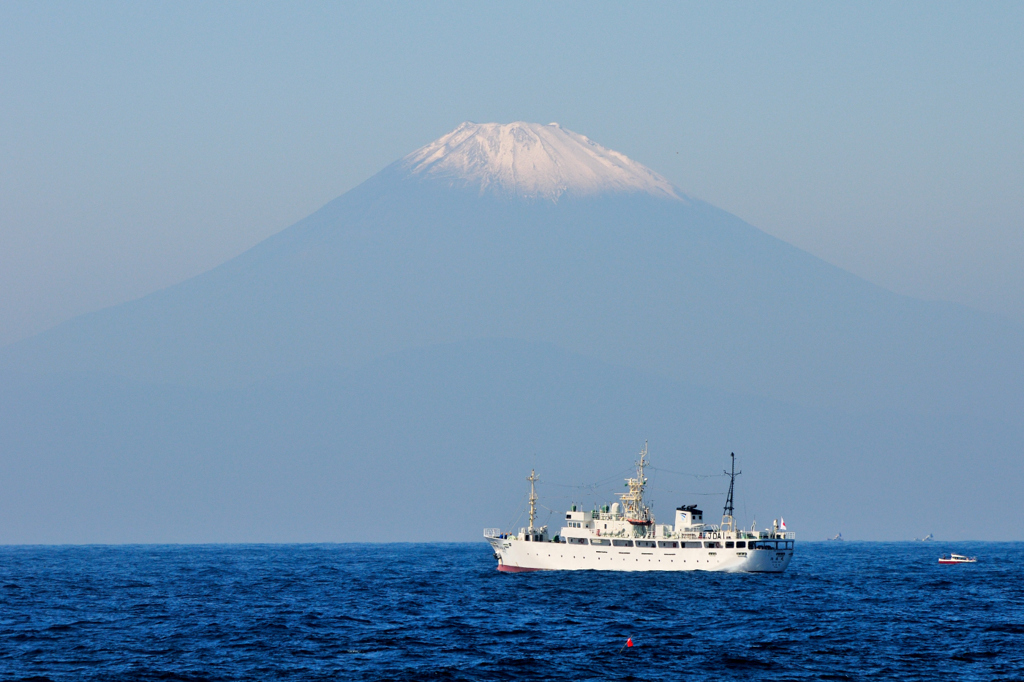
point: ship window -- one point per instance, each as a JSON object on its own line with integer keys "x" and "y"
{"x": 646, "y": 543}
{"x": 622, "y": 543}
{"x": 668, "y": 544}
{"x": 729, "y": 545}
{"x": 601, "y": 542}
{"x": 577, "y": 541}
{"x": 741, "y": 544}
{"x": 691, "y": 545}
{"x": 712, "y": 545}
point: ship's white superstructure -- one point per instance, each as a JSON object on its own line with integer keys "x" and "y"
{"x": 624, "y": 536}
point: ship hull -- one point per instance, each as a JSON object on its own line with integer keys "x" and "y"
{"x": 515, "y": 556}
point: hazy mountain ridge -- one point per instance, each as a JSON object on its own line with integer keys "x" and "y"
{"x": 681, "y": 289}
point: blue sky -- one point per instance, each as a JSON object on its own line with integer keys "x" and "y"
{"x": 142, "y": 144}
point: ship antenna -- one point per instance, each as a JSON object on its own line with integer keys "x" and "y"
{"x": 532, "y": 478}
{"x": 641, "y": 507}
{"x": 728, "y": 511}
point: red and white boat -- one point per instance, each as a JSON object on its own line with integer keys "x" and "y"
{"x": 957, "y": 559}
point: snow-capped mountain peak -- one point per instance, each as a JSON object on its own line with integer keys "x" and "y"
{"x": 532, "y": 160}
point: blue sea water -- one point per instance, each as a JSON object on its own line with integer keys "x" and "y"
{"x": 843, "y": 611}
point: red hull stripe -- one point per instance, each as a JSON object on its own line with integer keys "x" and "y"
{"x": 516, "y": 569}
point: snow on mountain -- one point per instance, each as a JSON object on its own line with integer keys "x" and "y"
{"x": 533, "y": 161}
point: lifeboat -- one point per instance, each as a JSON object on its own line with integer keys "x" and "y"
{"x": 957, "y": 559}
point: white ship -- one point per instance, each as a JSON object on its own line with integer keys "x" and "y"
{"x": 625, "y": 537}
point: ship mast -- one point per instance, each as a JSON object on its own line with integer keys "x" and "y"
{"x": 727, "y": 520}
{"x": 637, "y": 512}
{"x": 532, "y": 478}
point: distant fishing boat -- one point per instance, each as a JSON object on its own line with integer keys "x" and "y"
{"x": 957, "y": 559}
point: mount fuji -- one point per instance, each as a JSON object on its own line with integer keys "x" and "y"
{"x": 501, "y": 249}
{"x": 533, "y": 232}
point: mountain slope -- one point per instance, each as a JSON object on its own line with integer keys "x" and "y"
{"x": 448, "y": 245}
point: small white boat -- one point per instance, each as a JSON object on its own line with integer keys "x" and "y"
{"x": 957, "y": 559}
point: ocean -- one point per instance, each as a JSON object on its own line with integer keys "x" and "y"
{"x": 843, "y": 611}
